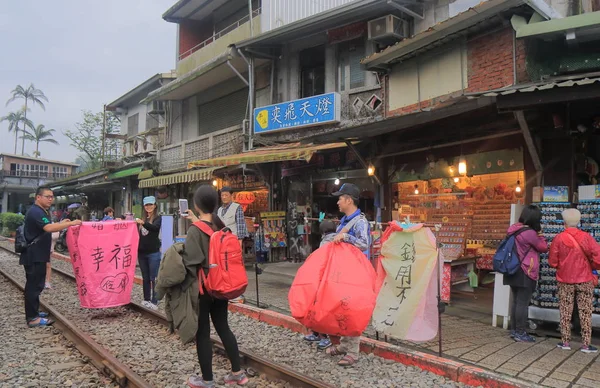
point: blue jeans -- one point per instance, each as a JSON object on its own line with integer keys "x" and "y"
{"x": 149, "y": 264}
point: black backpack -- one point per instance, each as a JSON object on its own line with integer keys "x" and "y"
{"x": 21, "y": 243}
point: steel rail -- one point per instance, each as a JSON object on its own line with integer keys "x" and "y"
{"x": 99, "y": 356}
{"x": 250, "y": 359}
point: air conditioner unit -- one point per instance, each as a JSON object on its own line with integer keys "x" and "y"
{"x": 144, "y": 144}
{"x": 388, "y": 29}
{"x": 156, "y": 107}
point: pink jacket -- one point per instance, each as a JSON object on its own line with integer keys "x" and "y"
{"x": 529, "y": 247}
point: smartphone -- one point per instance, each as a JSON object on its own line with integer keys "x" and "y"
{"x": 183, "y": 207}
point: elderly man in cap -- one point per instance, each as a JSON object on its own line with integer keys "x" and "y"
{"x": 232, "y": 214}
{"x": 353, "y": 229}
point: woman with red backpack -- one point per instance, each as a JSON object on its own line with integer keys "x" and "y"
{"x": 575, "y": 254}
{"x": 522, "y": 283}
{"x": 197, "y": 247}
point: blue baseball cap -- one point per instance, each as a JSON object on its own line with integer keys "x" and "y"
{"x": 149, "y": 200}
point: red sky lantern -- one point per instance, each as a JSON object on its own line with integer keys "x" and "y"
{"x": 245, "y": 198}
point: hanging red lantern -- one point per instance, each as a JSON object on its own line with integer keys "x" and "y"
{"x": 245, "y": 198}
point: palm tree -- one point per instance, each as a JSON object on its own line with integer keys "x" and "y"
{"x": 38, "y": 135}
{"x": 31, "y": 94}
{"x": 14, "y": 119}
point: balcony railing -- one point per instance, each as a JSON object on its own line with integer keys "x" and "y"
{"x": 219, "y": 34}
{"x": 34, "y": 174}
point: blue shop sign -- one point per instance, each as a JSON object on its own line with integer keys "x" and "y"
{"x": 305, "y": 112}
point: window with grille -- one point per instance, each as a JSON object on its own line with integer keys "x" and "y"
{"x": 350, "y": 74}
{"x": 132, "y": 124}
{"x": 312, "y": 71}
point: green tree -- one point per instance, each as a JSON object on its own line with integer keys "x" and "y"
{"x": 30, "y": 95}
{"x": 14, "y": 119}
{"x": 87, "y": 137}
{"x": 40, "y": 134}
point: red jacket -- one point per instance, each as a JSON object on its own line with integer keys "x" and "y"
{"x": 571, "y": 265}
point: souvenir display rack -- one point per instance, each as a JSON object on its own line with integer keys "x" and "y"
{"x": 546, "y": 293}
{"x": 453, "y": 237}
{"x": 490, "y": 220}
{"x": 271, "y": 235}
{"x": 590, "y": 222}
{"x": 590, "y": 217}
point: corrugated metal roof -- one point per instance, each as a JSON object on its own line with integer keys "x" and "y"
{"x": 582, "y": 22}
{"x": 537, "y": 87}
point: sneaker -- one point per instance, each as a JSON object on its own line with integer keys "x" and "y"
{"x": 151, "y": 306}
{"x": 198, "y": 382}
{"x": 589, "y": 349}
{"x": 324, "y": 343}
{"x": 48, "y": 286}
{"x": 564, "y": 346}
{"x": 145, "y": 303}
{"x": 523, "y": 337}
{"x": 239, "y": 379}
{"x": 512, "y": 334}
{"x": 312, "y": 338}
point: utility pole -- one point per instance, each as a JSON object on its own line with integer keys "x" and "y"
{"x": 250, "y": 14}
{"x": 103, "y": 133}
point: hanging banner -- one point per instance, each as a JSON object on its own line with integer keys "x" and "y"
{"x": 104, "y": 257}
{"x": 407, "y": 302}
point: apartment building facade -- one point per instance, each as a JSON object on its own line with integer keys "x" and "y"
{"x": 21, "y": 175}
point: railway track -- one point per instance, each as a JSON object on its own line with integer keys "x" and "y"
{"x": 107, "y": 363}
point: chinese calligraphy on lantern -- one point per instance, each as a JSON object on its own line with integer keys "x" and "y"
{"x": 104, "y": 257}
{"x": 407, "y": 305}
{"x": 310, "y": 111}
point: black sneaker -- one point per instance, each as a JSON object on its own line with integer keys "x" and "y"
{"x": 523, "y": 337}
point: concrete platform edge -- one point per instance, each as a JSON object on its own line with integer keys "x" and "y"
{"x": 454, "y": 370}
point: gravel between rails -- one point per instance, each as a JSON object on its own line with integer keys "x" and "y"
{"x": 280, "y": 345}
{"x": 39, "y": 357}
{"x": 144, "y": 345}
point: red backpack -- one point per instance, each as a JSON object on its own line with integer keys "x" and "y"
{"x": 227, "y": 278}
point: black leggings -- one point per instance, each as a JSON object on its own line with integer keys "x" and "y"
{"x": 520, "y": 307}
{"x": 217, "y": 308}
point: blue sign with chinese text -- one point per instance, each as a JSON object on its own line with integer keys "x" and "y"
{"x": 305, "y": 112}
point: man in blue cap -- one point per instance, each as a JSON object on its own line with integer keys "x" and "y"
{"x": 354, "y": 229}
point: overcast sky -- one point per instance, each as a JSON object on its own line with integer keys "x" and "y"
{"x": 81, "y": 54}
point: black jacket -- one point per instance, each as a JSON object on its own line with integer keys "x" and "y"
{"x": 149, "y": 240}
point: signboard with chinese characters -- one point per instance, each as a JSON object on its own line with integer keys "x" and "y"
{"x": 306, "y": 112}
{"x": 104, "y": 256}
{"x": 556, "y": 194}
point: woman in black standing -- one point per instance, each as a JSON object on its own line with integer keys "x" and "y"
{"x": 206, "y": 201}
{"x": 149, "y": 250}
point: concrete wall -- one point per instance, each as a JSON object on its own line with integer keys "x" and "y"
{"x": 437, "y": 73}
{"x": 7, "y": 160}
{"x": 189, "y": 118}
{"x": 278, "y": 13}
{"x": 137, "y": 109}
{"x": 487, "y": 63}
{"x": 217, "y": 47}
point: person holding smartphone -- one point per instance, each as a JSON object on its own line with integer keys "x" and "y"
{"x": 149, "y": 250}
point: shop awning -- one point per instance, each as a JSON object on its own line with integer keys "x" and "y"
{"x": 281, "y": 153}
{"x": 146, "y": 174}
{"x": 125, "y": 173}
{"x": 182, "y": 177}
